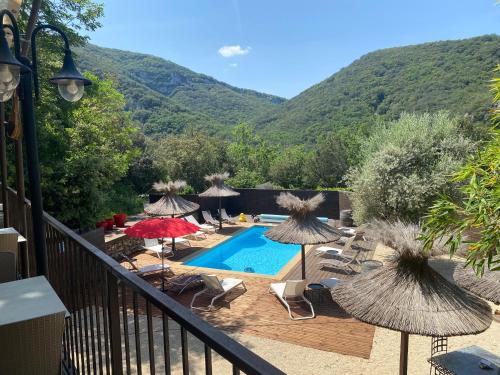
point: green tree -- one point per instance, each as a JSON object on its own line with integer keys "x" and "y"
{"x": 188, "y": 156}
{"x": 249, "y": 152}
{"x": 85, "y": 153}
{"x": 328, "y": 163}
{"x": 406, "y": 165}
{"x": 474, "y": 217}
{"x": 287, "y": 168}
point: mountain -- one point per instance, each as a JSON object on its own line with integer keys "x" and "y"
{"x": 451, "y": 75}
{"x": 166, "y": 97}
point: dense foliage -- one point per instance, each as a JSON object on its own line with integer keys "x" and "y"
{"x": 473, "y": 218}
{"x": 406, "y": 165}
{"x": 448, "y": 75}
{"x": 167, "y": 98}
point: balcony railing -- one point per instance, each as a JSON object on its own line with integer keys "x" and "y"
{"x": 121, "y": 324}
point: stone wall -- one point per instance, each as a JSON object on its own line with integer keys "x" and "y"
{"x": 123, "y": 244}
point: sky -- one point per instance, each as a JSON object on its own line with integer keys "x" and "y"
{"x": 282, "y": 47}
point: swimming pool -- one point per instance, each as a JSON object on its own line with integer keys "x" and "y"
{"x": 249, "y": 251}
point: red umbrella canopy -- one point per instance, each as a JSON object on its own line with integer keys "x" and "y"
{"x": 160, "y": 227}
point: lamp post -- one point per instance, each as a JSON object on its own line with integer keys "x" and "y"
{"x": 18, "y": 70}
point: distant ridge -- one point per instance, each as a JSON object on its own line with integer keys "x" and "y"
{"x": 451, "y": 75}
{"x": 167, "y": 98}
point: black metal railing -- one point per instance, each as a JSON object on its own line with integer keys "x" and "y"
{"x": 119, "y": 323}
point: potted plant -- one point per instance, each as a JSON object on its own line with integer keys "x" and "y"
{"x": 109, "y": 223}
{"x": 120, "y": 220}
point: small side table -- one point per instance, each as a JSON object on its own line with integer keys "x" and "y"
{"x": 315, "y": 293}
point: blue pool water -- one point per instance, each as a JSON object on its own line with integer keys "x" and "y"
{"x": 249, "y": 251}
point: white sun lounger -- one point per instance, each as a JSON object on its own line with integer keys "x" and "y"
{"x": 342, "y": 262}
{"x": 152, "y": 244}
{"x": 207, "y": 228}
{"x": 327, "y": 250}
{"x": 226, "y": 217}
{"x": 141, "y": 271}
{"x": 216, "y": 288}
{"x": 292, "y": 291}
{"x": 207, "y": 216}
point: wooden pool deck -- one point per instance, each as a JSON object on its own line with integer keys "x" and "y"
{"x": 259, "y": 313}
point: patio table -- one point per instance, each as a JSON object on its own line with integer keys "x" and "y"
{"x": 466, "y": 362}
{"x": 20, "y": 238}
{"x": 31, "y": 327}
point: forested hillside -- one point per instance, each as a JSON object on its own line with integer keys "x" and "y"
{"x": 450, "y": 75}
{"x": 166, "y": 98}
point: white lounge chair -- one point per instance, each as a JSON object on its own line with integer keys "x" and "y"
{"x": 327, "y": 250}
{"x": 292, "y": 291}
{"x": 216, "y": 288}
{"x": 142, "y": 271}
{"x": 342, "y": 262}
{"x": 207, "y": 228}
{"x": 152, "y": 244}
{"x": 207, "y": 216}
{"x": 226, "y": 217}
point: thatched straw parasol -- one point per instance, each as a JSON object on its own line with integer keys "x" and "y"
{"x": 487, "y": 286}
{"x": 407, "y": 295}
{"x": 302, "y": 227}
{"x": 170, "y": 204}
{"x": 218, "y": 190}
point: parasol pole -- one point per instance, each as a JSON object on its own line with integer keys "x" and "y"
{"x": 220, "y": 213}
{"x": 403, "y": 354}
{"x": 162, "y": 266}
{"x": 303, "y": 253}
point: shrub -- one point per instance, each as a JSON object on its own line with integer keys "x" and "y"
{"x": 405, "y": 166}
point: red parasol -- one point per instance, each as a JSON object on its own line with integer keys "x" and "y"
{"x": 160, "y": 227}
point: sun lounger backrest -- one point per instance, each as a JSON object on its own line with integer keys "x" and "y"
{"x": 150, "y": 242}
{"x": 212, "y": 282}
{"x": 8, "y": 243}
{"x": 207, "y": 216}
{"x": 294, "y": 288}
{"x": 192, "y": 220}
{"x": 348, "y": 243}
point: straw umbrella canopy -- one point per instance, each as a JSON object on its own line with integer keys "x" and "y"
{"x": 170, "y": 204}
{"x": 407, "y": 295}
{"x": 487, "y": 286}
{"x": 218, "y": 190}
{"x": 302, "y": 227}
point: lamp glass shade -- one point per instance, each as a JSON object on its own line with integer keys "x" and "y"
{"x": 6, "y": 95}
{"x": 70, "y": 89}
{"x": 9, "y": 77}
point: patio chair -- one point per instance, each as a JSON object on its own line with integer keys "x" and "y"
{"x": 216, "y": 289}
{"x": 180, "y": 283}
{"x": 207, "y": 216}
{"x": 292, "y": 291}
{"x": 207, "y": 228}
{"x": 7, "y": 267}
{"x": 227, "y": 218}
{"x": 342, "y": 262}
{"x": 152, "y": 244}
{"x": 199, "y": 235}
{"x": 146, "y": 270}
{"x": 327, "y": 250}
{"x": 9, "y": 253}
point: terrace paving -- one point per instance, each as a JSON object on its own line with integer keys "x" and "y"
{"x": 258, "y": 313}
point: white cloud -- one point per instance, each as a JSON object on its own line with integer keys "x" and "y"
{"x": 230, "y": 51}
{"x": 233, "y": 65}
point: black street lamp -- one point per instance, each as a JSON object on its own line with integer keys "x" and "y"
{"x": 18, "y": 70}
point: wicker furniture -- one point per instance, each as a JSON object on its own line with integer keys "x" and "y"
{"x": 31, "y": 327}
